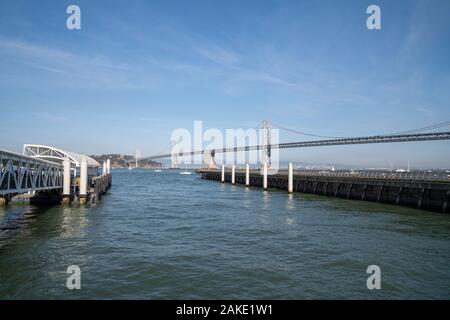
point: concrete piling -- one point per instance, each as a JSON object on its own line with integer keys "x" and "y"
{"x": 265, "y": 176}
{"x": 223, "y": 174}
{"x": 83, "y": 181}
{"x": 233, "y": 174}
{"x": 104, "y": 168}
{"x": 108, "y": 166}
{"x": 290, "y": 178}
{"x": 247, "y": 175}
{"x": 66, "y": 181}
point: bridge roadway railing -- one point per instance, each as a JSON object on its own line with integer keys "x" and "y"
{"x": 20, "y": 174}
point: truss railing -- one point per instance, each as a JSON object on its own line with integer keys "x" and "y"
{"x": 20, "y": 174}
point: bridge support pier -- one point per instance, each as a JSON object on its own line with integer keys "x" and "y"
{"x": 223, "y": 174}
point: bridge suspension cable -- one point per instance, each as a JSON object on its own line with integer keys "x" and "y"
{"x": 305, "y": 133}
{"x": 436, "y": 126}
{"x": 442, "y": 125}
{"x": 418, "y": 134}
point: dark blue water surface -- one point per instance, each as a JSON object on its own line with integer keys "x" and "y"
{"x": 159, "y": 235}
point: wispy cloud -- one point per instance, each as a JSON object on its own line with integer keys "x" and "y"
{"x": 256, "y": 76}
{"x": 218, "y": 55}
{"x": 425, "y": 110}
{"x": 81, "y": 70}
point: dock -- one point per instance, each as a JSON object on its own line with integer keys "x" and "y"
{"x": 422, "y": 190}
{"x": 45, "y": 175}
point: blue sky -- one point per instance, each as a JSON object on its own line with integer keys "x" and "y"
{"x": 137, "y": 70}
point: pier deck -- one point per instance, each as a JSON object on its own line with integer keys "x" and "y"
{"x": 423, "y": 190}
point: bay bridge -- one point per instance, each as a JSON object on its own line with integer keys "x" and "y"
{"x": 421, "y": 189}
{"x": 43, "y": 169}
{"x": 429, "y": 133}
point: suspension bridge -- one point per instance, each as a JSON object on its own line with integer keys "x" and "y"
{"x": 434, "y": 132}
{"x": 43, "y": 169}
{"x": 428, "y": 190}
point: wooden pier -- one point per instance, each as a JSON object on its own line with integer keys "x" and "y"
{"x": 421, "y": 190}
{"x": 101, "y": 186}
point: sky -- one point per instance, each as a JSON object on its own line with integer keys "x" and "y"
{"x": 138, "y": 70}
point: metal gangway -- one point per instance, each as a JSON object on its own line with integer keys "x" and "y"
{"x": 22, "y": 174}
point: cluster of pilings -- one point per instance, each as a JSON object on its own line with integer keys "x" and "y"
{"x": 99, "y": 185}
{"x": 411, "y": 190}
{"x": 265, "y": 169}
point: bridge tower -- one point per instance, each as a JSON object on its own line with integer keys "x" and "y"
{"x": 174, "y": 156}
{"x": 266, "y": 151}
{"x": 137, "y": 157}
{"x": 209, "y": 159}
{"x": 174, "y": 164}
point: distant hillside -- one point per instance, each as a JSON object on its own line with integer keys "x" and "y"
{"x": 120, "y": 161}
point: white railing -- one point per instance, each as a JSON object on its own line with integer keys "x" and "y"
{"x": 379, "y": 174}
{"x": 416, "y": 175}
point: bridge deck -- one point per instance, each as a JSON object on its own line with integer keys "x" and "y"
{"x": 431, "y": 136}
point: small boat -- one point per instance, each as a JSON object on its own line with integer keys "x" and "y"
{"x": 158, "y": 170}
{"x": 185, "y": 171}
